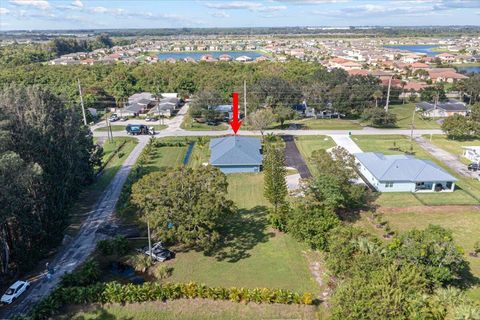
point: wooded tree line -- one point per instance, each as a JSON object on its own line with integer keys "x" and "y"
{"x": 24, "y": 54}
{"x": 46, "y": 157}
{"x": 268, "y": 83}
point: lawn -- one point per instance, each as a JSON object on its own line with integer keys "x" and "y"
{"x": 404, "y": 114}
{"x": 90, "y": 195}
{"x": 167, "y": 156}
{"x": 307, "y": 144}
{"x": 252, "y": 254}
{"x": 195, "y": 126}
{"x": 453, "y": 146}
{"x": 327, "y": 124}
{"x": 468, "y": 191}
{"x": 118, "y": 128}
{"x": 197, "y": 309}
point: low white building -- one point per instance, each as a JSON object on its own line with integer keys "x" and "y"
{"x": 402, "y": 173}
{"x": 472, "y": 153}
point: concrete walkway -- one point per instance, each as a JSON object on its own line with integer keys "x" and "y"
{"x": 346, "y": 142}
{"x": 84, "y": 243}
{"x": 446, "y": 157}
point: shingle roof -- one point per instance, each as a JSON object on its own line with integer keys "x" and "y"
{"x": 402, "y": 168}
{"x": 235, "y": 150}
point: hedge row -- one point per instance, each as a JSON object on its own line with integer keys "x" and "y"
{"x": 114, "y": 292}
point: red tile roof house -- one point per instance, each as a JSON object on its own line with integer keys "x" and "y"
{"x": 446, "y": 57}
{"x": 449, "y": 75}
{"x": 419, "y": 66}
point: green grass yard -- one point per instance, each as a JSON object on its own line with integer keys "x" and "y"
{"x": 252, "y": 254}
{"x": 307, "y": 144}
{"x": 404, "y": 114}
{"x": 468, "y": 192}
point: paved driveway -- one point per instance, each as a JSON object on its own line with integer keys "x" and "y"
{"x": 346, "y": 142}
{"x": 294, "y": 159}
{"x": 447, "y": 158}
{"x": 84, "y": 243}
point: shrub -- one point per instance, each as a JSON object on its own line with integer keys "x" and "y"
{"x": 162, "y": 271}
{"x": 118, "y": 246}
{"x": 140, "y": 262}
{"x": 88, "y": 274}
{"x": 476, "y": 248}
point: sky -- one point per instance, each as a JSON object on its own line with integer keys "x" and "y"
{"x": 106, "y": 14}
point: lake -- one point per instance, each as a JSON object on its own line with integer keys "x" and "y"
{"x": 469, "y": 69}
{"x": 198, "y": 55}
{"x": 427, "y": 49}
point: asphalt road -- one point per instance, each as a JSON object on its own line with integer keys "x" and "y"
{"x": 83, "y": 244}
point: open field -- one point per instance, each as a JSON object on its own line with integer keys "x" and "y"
{"x": 197, "y": 309}
{"x": 89, "y": 196}
{"x": 307, "y": 144}
{"x": 252, "y": 254}
{"x": 468, "y": 192}
{"x": 118, "y": 128}
{"x": 453, "y": 146}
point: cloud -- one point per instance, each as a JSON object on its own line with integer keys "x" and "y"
{"x": 220, "y": 14}
{"x": 244, "y": 5}
{"x": 39, "y": 4}
{"x": 456, "y": 4}
{"x": 4, "y": 11}
{"x": 78, "y": 4}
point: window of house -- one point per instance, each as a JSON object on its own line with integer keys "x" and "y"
{"x": 388, "y": 184}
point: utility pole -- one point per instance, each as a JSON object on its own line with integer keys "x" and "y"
{"x": 388, "y": 93}
{"x": 413, "y": 120}
{"x": 245, "y": 98}
{"x": 149, "y": 240}
{"x": 81, "y": 102}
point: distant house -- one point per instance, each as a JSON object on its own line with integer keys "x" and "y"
{"x": 442, "y": 109}
{"x": 236, "y": 154}
{"x": 472, "y": 153}
{"x": 403, "y": 173}
{"x": 448, "y": 75}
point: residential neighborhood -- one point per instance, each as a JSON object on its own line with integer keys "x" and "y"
{"x": 240, "y": 160}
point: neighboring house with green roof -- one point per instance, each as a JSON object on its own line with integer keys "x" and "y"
{"x": 236, "y": 154}
{"x": 403, "y": 173}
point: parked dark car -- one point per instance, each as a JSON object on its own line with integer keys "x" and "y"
{"x": 136, "y": 129}
{"x": 473, "y": 166}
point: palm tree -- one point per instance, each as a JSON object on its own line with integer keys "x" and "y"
{"x": 377, "y": 95}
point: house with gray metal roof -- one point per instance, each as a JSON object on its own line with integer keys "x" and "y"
{"x": 403, "y": 173}
{"x": 236, "y": 154}
{"x": 442, "y": 109}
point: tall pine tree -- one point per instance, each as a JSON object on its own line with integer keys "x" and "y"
{"x": 275, "y": 186}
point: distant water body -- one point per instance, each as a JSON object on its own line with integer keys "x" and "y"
{"x": 198, "y": 55}
{"x": 469, "y": 69}
{"x": 418, "y": 49}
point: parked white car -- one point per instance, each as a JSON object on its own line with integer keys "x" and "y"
{"x": 15, "y": 291}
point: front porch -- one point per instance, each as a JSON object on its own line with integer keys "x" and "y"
{"x": 435, "y": 186}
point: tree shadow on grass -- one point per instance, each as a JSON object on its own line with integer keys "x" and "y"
{"x": 101, "y": 314}
{"x": 241, "y": 233}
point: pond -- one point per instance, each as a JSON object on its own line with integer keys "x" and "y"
{"x": 198, "y": 55}
{"x": 475, "y": 69}
{"x": 425, "y": 49}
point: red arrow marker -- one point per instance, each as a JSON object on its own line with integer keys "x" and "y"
{"x": 235, "y": 123}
